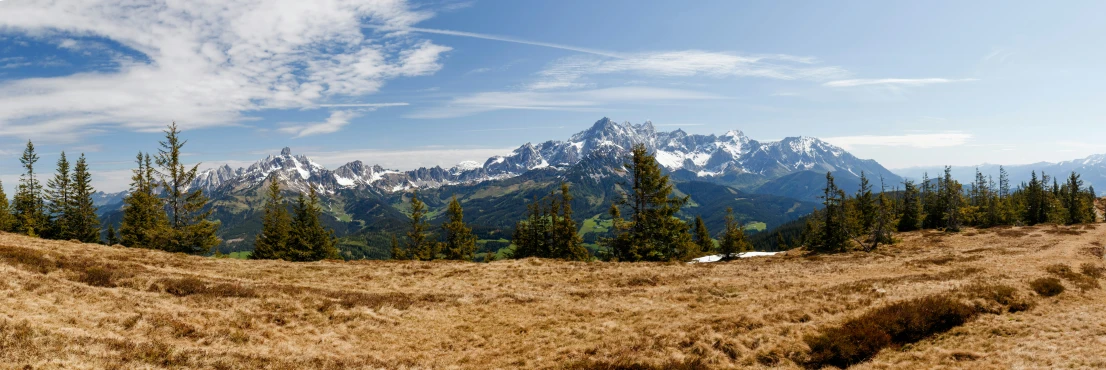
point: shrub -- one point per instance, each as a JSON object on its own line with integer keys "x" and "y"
{"x": 1091, "y": 270}
{"x": 98, "y": 276}
{"x": 28, "y": 259}
{"x": 1047, "y": 287}
{"x": 1083, "y": 282}
{"x": 859, "y": 339}
{"x": 1005, "y": 296}
{"x": 184, "y": 286}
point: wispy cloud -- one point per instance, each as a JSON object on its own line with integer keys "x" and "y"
{"x": 919, "y": 140}
{"x": 580, "y": 100}
{"x": 570, "y": 72}
{"x": 503, "y": 39}
{"x": 335, "y": 122}
{"x": 895, "y": 82}
{"x": 247, "y": 56}
{"x": 364, "y": 105}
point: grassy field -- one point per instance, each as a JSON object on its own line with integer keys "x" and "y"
{"x": 71, "y": 305}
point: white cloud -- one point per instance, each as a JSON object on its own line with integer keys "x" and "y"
{"x": 501, "y": 38}
{"x": 335, "y": 122}
{"x": 207, "y": 62}
{"x": 583, "y": 100}
{"x": 891, "y": 82}
{"x": 920, "y": 140}
{"x": 568, "y": 72}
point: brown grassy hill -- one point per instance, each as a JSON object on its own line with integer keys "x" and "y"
{"x": 76, "y": 305}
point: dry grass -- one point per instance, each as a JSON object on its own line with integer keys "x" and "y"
{"x": 73, "y": 305}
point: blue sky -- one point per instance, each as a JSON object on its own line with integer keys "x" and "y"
{"x": 407, "y": 84}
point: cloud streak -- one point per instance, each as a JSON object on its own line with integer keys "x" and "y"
{"x": 922, "y": 141}
{"x": 894, "y": 82}
{"x": 507, "y": 39}
{"x": 579, "y": 100}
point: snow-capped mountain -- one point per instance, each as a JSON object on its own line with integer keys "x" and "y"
{"x": 702, "y": 155}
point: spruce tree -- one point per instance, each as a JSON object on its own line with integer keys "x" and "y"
{"x": 144, "y": 220}
{"x": 460, "y": 243}
{"x": 84, "y": 225}
{"x": 111, "y": 238}
{"x": 30, "y": 209}
{"x": 733, "y": 238}
{"x": 834, "y": 233}
{"x": 910, "y": 217}
{"x": 272, "y": 242}
{"x": 58, "y": 201}
{"x": 702, "y": 236}
{"x": 1074, "y": 200}
{"x": 568, "y": 243}
{"x": 308, "y": 239}
{"x": 189, "y": 231}
{"x": 6, "y": 220}
{"x": 950, "y": 200}
{"x": 397, "y": 252}
{"x": 419, "y": 246}
{"x": 653, "y": 233}
{"x": 865, "y": 205}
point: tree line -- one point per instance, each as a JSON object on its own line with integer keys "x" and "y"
{"x": 865, "y": 220}
{"x": 62, "y": 210}
{"x": 653, "y": 232}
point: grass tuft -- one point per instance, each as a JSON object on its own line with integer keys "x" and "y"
{"x": 1047, "y": 287}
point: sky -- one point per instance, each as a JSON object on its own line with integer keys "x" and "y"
{"x": 406, "y": 84}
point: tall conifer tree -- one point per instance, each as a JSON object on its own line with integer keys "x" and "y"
{"x": 702, "y": 236}
{"x": 190, "y": 231}
{"x": 272, "y": 242}
{"x": 460, "y": 243}
{"x": 733, "y": 238}
{"x": 144, "y": 219}
{"x": 30, "y": 209}
{"x": 653, "y": 233}
{"x": 6, "y": 219}
{"x": 308, "y": 239}
{"x": 58, "y": 201}
{"x": 84, "y": 225}
{"x": 419, "y": 246}
{"x": 911, "y": 217}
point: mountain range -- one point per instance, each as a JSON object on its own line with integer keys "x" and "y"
{"x": 766, "y": 183}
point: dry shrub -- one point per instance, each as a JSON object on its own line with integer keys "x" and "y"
{"x": 1047, "y": 287}
{"x": 98, "y": 276}
{"x": 28, "y": 259}
{"x": 1005, "y": 296}
{"x": 1083, "y": 282}
{"x": 1092, "y": 270}
{"x": 1096, "y": 251}
{"x": 187, "y": 286}
{"x": 896, "y": 324}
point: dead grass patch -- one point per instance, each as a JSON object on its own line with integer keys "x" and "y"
{"x": 1091, "y": 270}
{"x": 1081, "y": 281}
{"x": 1047, "y": 287}
{"x": 1012, "y": 233}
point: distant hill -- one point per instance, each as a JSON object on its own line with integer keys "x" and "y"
{"x": 1091, "y": 169}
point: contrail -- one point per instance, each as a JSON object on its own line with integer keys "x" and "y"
{"x": 514, "y": 40}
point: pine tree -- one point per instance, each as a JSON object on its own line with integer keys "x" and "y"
{"x": 84, "y": 225}
{"x": 111, "y": 238}
{"x": 834, "y": 234}
{"x": 568, "y": 243}
{"x": 272, "y": 242}
{"x": 397, "y": 252}
{"x": 419, "y": 246}
{"x": 189, "y": 231}
{"x": 702, "y": 236}
{"x": 881, "y": 228}
{"x": 6, "y": 220}
{"x": 865, "y": 205}
{"x": 911, "y": 216}
{"x": 308, "y": 239}
{"x": 653, "y": 232}
{"x": 460, "y": 243}
{"x": 1074, "y": 200}
{"x": 30, "y": 208}
{"x": 950, "y": 201}
{"x": 58, "y": 202}
{"x": 733, "y": 238}
{"x": 144, "y": 219}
